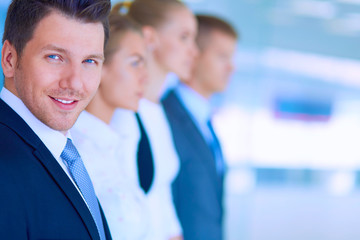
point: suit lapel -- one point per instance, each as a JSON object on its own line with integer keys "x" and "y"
{"x": 193, "y": 134}
{"x": 64, "y": 183}
{"x": 11, "y": 119}
{"x": 106, "y": 226}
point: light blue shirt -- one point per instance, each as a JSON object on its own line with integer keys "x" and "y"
{"x": 200, "y": 111}
{"x": 198, "y": 107}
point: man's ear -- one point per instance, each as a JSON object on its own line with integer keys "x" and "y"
{"x": 150, "y": 37}
{"x": 9, "y": 59}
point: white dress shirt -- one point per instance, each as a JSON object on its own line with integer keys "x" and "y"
{"x": 123, "y": 202}
{"x": 163, "y": 216}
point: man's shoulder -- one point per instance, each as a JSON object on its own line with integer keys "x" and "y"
{"x": 7, "y": 134}
{"x": 15, "y": 128}
{"x": 7, "y": 115}
{"x": 173, "y": 105}
{"x": 11, "y": 144}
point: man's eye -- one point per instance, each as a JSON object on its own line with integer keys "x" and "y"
{"x": 89, "y": 61}
{"x": 54, "y": 57}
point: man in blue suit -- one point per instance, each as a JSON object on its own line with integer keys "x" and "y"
{"x": 52, "y": 57}
{"x": 198, "y": 189}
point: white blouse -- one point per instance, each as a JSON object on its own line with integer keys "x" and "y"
{"x": 163, "y": 216}
{"x": 125, "y": 124}
{"x": 104, "y": 152}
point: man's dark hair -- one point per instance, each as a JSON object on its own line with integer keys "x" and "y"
{"x": 207, "y": 24}
{"x": 24, "y": 15}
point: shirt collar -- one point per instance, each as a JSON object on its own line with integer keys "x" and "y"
{"x": 197, "y": 105}
{"x": 54, "y": 140}
{"x": 94, "y": 128}
{"x": 124, "y": 123}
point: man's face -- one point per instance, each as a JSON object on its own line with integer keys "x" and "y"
{"x": 214, "y": 64}
{"x": 59, "y": 70}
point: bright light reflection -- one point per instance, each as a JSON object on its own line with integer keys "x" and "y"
{"x": 270, "y": 142}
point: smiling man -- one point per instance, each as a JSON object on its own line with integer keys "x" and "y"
{"x": 52, "y": 57}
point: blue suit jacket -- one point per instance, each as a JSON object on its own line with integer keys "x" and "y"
{"x": 37, "y": 199}
{"x": 198, "y": 189}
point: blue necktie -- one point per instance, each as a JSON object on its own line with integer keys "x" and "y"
{"x": 216, "y": 149}
{"x": 81, "y": 177}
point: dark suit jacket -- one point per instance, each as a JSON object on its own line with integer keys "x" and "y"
{"x": 37, "y": 199}
{"x": 198, "y": 189}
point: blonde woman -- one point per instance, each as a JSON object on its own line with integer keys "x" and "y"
{"x": 103, "y": 150}
{"x": 169, "y": 30}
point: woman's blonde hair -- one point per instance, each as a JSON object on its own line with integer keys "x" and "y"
{"x": 152, "y": 12}
{"x": 120, "y": 23}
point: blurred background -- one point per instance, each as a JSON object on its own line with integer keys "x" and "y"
{"x": 290, "y": 119}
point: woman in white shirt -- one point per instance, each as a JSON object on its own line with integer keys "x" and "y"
{"x": 169, "y": 30}
{"x": 102, "y": 149}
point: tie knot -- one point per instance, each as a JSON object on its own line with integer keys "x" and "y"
{"x": 70, "y": 154}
